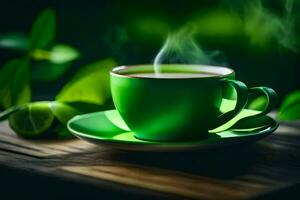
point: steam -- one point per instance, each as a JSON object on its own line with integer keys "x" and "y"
{"x": 264, "y": 26}
{"x": 260, "y": 25}
{"x": 289, "y": 38}
{"x": 180, "y": 47}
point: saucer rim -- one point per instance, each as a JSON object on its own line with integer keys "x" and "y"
{"x": 169, "y": 146}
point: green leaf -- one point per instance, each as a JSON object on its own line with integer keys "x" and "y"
{"x": 44, "y": 71}
{"x": 62, "y": 53}
{"x": 5, "y": 97}
{"x": 50, "y": 65}
{"x": 59, "y": 54}
{"x": 24, "y": 96}
{"x": 63, "y": 112}
{"x": 290, "y": 108}
{"x": 43, "y": 30}
{"x": 15, "y": 41}
{"x": 15, "y": 85}
{"x": 89, "y": 85}
{"x": 20, "y": 84}
{"x": 7, "y": 71}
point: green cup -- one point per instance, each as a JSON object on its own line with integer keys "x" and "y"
{"x": 183, "y": 107}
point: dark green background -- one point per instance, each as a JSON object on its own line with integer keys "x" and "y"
{"x": 94, "y": 27}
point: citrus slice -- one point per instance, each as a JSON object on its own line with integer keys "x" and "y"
{"x": 33, "y": 120}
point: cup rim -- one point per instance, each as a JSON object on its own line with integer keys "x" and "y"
{"x": 116, "y": 71}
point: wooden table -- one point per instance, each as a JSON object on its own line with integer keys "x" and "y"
{"x": 262, "y": 170}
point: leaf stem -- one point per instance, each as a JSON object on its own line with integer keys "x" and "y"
{"x": 39, "y": 54}
{"x": 6, "y": 113}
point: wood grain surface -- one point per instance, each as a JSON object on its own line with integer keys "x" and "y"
{"x": 240, "y": 172}
{"x": 9, "y": 141}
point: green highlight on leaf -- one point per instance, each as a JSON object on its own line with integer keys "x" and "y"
{"x": 14, "y": 41}
{"x": 89, "y": 85}
{"x": 59, "y": 54}
{"x": 63, "y": 112}
{"x": 51, "y": 65}
{"x": 43, "y": 30}
{"x": 290, "y": 108}
{"x": 63, "y": 53}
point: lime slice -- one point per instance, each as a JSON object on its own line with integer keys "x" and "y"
{"x": 33, "y": 120}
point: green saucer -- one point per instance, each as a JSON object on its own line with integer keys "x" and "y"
{"x": 108, "y": 129}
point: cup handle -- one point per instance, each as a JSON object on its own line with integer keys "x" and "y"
{"x": 271, "y": 101}
{"x": 271, "y": 98}
{"x": 242, "y": 96}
